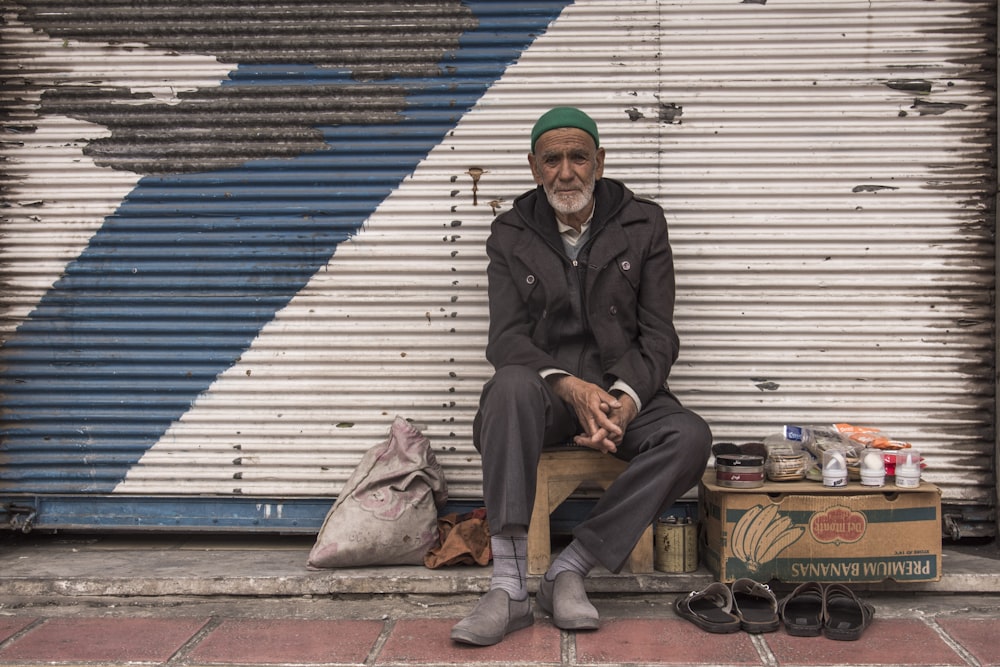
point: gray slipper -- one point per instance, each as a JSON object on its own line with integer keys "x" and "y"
{"x": 566, "y": 599}
{"x": 493, "y": 617}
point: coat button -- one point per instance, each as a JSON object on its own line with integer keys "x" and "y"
{"x": 626, "y": 265}
{"x": 530, "y": 280}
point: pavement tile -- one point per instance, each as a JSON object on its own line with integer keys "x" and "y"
{"x": 980, "y": 637}
{"x": 423, "y": 641}
{"x": 291, "y": 641}
{"x": 11, "y": 625}
{"x": 891, "y": 641}
{"x": 104, "y": 640}
{"x": 669, "y": 641}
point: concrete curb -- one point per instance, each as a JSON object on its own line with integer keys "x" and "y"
{"x": 276, "y": 567}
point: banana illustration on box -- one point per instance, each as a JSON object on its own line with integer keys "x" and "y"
{"x": 760, "y": 535}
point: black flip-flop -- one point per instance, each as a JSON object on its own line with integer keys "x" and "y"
{"x": 802, "y": 610}
{"x": 755, "y": 606}
{"x": 846, "y": 615}
{"x": 710, "y": 609}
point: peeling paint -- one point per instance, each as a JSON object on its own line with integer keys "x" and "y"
{"x": 925, "y": 108}
{"x": 872, "y": 188}
{"x": 765, "y": 385}
{"x": 357, "y": 55}
{"x": 671, "y": 113}
{"x": 218, "y": 128}
{"x": 911, "y": 85}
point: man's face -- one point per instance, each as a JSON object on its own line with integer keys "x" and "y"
{"x": 567, "y": 165}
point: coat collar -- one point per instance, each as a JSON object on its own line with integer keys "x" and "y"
{"x": 612, "y": 197}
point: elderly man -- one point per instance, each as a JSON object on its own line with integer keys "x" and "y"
{"x": 581, "y": 294}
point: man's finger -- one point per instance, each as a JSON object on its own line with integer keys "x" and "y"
{"x": 601, "y": 445}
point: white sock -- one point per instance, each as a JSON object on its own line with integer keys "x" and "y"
{"x": 510, "y": 562}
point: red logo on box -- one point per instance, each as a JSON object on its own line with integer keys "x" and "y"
{"x": 838, "y": 524}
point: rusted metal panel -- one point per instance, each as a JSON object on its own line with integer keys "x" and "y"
{"x": 237, "y": 242}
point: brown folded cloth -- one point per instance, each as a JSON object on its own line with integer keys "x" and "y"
{"x": 464, "y": 540}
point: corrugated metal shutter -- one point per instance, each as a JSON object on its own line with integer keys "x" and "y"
{"x": 226, "y": 325}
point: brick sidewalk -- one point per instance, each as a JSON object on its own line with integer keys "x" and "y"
{"x": 184, "y": 601}
{"x": 622, "y": 640}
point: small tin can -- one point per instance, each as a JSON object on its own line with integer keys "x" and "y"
{"x": 675, "y": 545}
{"x": 739, "y": 471}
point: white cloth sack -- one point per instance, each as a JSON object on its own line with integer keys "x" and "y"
{"x": 388, "y": 509}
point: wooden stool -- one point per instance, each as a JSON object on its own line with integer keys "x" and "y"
{"x": 560, "y": 473}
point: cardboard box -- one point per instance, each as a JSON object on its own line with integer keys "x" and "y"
{"x": 804, "y": 531}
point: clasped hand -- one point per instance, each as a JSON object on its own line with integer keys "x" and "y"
{"x": 603, "y": 417}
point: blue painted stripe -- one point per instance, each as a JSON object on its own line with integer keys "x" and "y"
{"x": 179, "y": 281}
{"x": 237, "y": 513}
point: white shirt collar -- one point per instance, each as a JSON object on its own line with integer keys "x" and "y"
{"x": 572, "y": 236}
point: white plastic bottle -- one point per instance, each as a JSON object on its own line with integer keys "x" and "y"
{"x": 872, "y": 468}
{"x": 834, "y": 468}
{"x": 907, "y": 469}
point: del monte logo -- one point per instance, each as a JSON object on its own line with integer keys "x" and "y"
{"x": 838, "y": 524}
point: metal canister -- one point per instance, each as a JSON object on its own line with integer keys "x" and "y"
{"x": 675, "y": 545}
{"x": 739, "y": 471}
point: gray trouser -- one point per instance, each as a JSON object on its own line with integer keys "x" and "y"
{"x": 667, "y": 447}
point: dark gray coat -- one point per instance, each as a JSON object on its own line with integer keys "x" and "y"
{"x": 628, "y": 290}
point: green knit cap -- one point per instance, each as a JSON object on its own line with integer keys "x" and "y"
{"x": 559, "y": 117}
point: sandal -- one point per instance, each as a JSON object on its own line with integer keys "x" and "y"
{"x": 846, "y": 615}
{"x": 755, "y": 606}
{"x": 802, "y": 611}
{"x": 710, "y": 609}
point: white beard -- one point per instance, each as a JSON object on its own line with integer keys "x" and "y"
{"x": 568, "y": 203}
